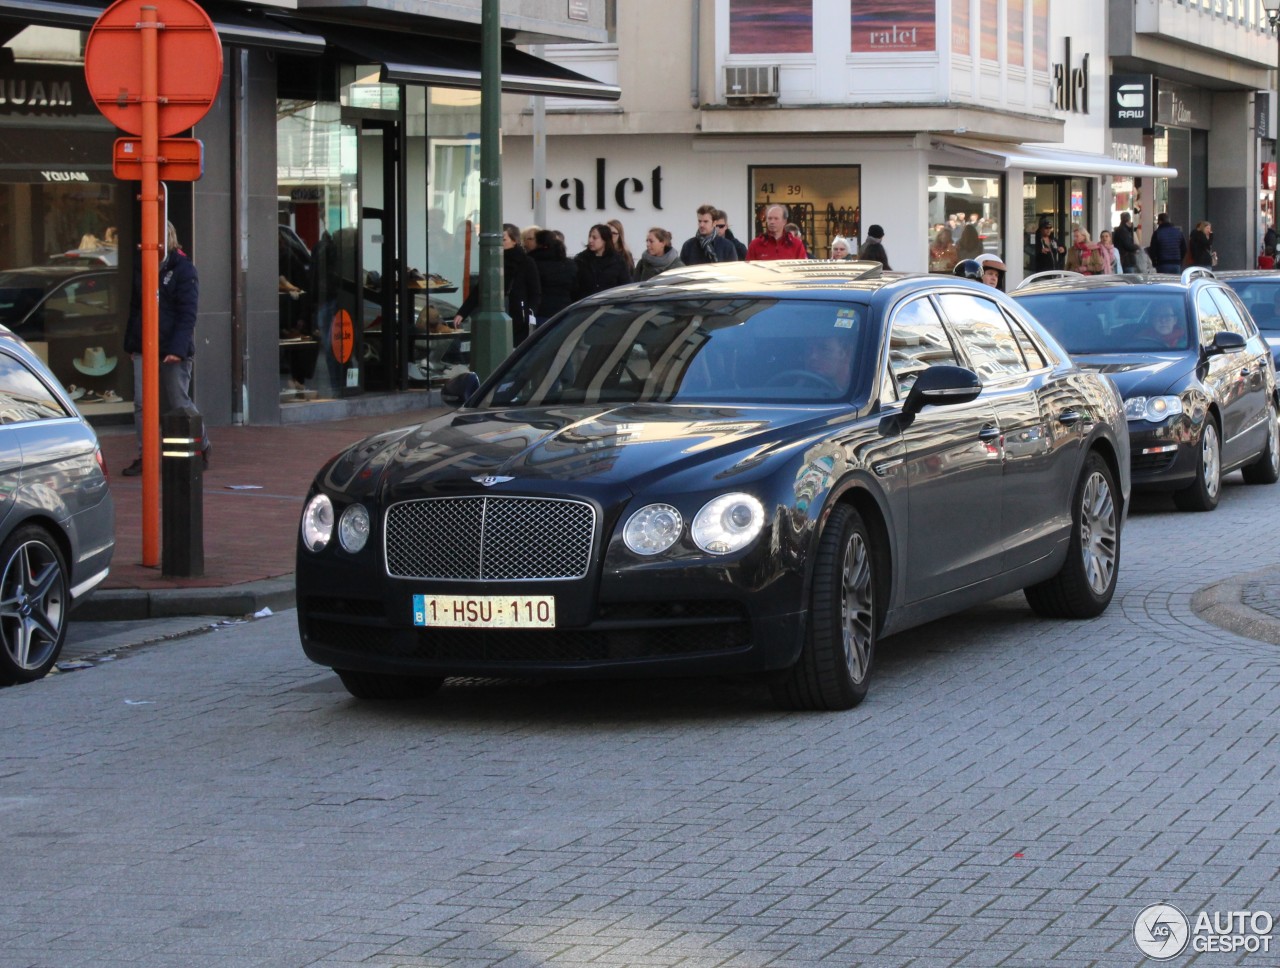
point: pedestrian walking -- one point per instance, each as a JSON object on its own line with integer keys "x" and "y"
{"x": 840, "y": 249}
{"x": 179, "y": 300}
{"x": 1126, "y": 243}
{"x": 659, "y": 255}
{"x": 723, "y": 230}
{"x": 557, "y": 274}
{"x": 1048, "y": 252}
{"x": 600, "y": 265}
{"x": 620, "y": 243}
{"x": 873, "y": 249}
{"x": 707, "y": 245}
{"x": 1110, "y": 254}
{"x": 522, "y": 284}
{"x": 775, "y": 242}
{"x": 1201, "y": 251}
{"x": 1168, "y": 246}
{"x": 1083, "y": 256}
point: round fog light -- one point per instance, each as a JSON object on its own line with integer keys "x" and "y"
{"x": 353, "y": 528}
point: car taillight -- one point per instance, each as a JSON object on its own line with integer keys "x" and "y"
{"x": 102, "y": 461}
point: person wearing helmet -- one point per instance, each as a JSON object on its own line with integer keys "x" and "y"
{"x": 993, "y": 270}
{"x": 968, "y": 269}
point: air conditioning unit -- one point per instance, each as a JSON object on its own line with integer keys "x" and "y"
{"x": 758, "y": 83}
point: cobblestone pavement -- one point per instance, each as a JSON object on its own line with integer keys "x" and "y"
{"x": 1013, "y": 792}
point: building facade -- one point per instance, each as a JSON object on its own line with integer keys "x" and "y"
{"x": 336, "y": 216}
{"x": 957, "y": 125}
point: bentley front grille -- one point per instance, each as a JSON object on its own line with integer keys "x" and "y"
{"x": 490, "y": 538}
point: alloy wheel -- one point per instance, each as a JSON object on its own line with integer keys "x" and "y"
{"x": 1210, "y": 459}
{"x": 1099, "y": 536}
{"x": 856, "y": 611}
{"x": 32, "y": 605}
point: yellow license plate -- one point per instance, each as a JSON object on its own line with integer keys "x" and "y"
{"x": 485, "y": 611}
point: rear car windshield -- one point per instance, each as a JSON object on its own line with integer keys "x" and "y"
{"x": 740, "y": 350}
{"x": 1128, "y": 321}
{"x": 1262, "y": 299}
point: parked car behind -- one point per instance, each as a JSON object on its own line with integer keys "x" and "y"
{"x": 57, "y": 519}
{"x": 1260, "y": 292}
{"x": 1198, "y": 379}
{"x": 733, "y": 468}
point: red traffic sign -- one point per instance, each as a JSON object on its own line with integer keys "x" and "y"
{"x": 178, "y": 159}
{"x": 188, "y": 64}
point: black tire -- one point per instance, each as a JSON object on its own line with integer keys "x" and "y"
{"x": 34, "y": 605}
{"x": 1083, "y": 587}
{"x": 835, "y": 662}
{"x": 1266, "y": 469}
{"x": 1203, "y": 493}
{"x": 379, "y": 686}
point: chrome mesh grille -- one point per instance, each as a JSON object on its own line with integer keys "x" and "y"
{"x": 490, "y": 538}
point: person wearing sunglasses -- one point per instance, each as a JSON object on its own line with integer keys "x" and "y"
{"x": 723, "y": 230}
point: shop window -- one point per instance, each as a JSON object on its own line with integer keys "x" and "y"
{"x": 67, "y": 226}
{"x": 1040, "y": 35}
{"x": 965, "y": 215}
{"x": 961, "y": 31}
{"x": 989, "y": 29}
{"x": 1016, "y": 11}
{"x": 881, "y": 26}
{"x": 822, "y": 202}
{"x": 770, "y": 26}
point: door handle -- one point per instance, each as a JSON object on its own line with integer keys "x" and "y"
{"x": 1069, "y": 417}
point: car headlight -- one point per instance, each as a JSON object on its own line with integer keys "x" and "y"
{"x": 653, "y": 529}
{"x": 728, "y": 523}
{"x": 317, "y": 523}
{"x": 1154, "y": 409}
{"x": 353, "y": 528}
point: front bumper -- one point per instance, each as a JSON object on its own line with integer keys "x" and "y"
{"x": 1164, "y": 456}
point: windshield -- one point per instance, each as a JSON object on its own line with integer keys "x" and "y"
{"x": 1131, "y": 321}
{"x": 739, "y": 350}
{"x": 1262, "y": 298}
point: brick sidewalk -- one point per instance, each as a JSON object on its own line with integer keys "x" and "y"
{"x": 248, "y": 534}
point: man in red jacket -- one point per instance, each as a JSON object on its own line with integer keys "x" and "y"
{"x": 775, "y": 242}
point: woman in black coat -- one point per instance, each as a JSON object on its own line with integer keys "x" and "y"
{"x": 556, "y": 271}
{"x": 600, "y": 265}
{"x": 520, "y": 278}
{"x": 1201, "y": 246}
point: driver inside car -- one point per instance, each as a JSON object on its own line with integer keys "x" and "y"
{"x": 1166, "y": 327}
{"x": 831, "y": 357}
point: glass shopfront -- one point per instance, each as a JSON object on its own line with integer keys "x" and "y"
{"x": 1064, "y": 203}
{"x": 378, "y": 221}
{"x": 823, "y": 202}
{"x": 67, "y": 226}
{"x": 966, "y": 211}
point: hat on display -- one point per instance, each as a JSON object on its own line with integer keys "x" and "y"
{"x": 94, "y": 362}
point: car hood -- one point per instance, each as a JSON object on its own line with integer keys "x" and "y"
{"x": 1140, "y": 374}
{"x": 626, "y": 445}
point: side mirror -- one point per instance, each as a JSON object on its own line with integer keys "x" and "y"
{"x": 1225, "y": 341}
{"x": 941, "y": 385}
{"x": 458, "y": 389}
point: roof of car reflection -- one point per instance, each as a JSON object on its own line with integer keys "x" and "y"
{"x": 789, "y": 275}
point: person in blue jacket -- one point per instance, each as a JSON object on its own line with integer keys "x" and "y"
{"x": 179, "y": 299}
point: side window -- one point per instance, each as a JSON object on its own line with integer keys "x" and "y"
{"x": 1237, "y": 321}
{"x": 1211, "y": 321}
{"x": 1030, "y": 352}
{"x": 23, "y": 397}
{"x": 984, "y": 333}
{"x": 917, "y": 341}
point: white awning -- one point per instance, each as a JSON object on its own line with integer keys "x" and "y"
{"x": 1054, "y": 161}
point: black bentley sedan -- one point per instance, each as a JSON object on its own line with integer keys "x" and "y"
{"x": 1198, "y": 380}
{"x": 738, "y": 468}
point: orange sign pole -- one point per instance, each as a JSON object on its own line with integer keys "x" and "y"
{"x": 151, "y": 244}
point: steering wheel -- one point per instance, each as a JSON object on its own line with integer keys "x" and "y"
{"x": 801, "y": 378}
{"x": 1146, "y": 339}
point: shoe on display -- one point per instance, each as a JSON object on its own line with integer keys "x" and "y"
{"x": 134, "y": 469}
{"x": 75, "y": 392}
{"x": 112, "y": 397}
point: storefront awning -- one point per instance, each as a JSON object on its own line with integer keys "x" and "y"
{"x": 235, "y": 26}
{"x": 1054, "y": 161}
{"x": 420, "y": 59}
